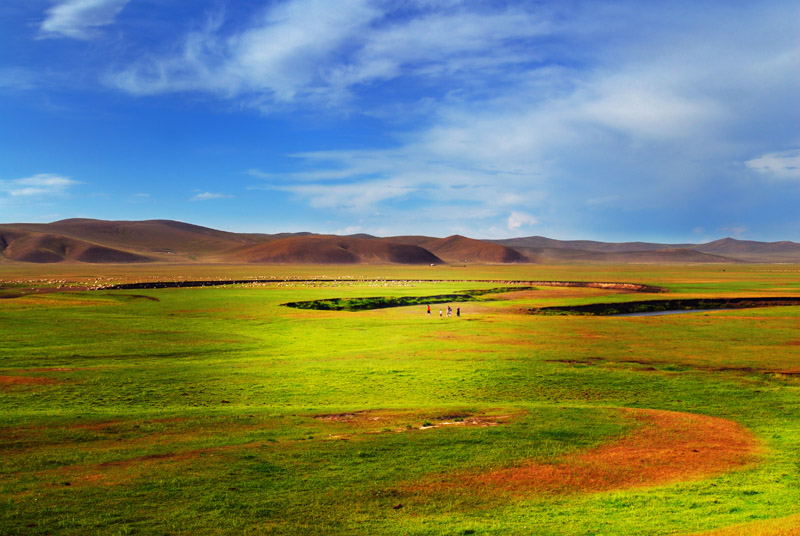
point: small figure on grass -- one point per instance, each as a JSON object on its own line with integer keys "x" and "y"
{"x": 458, "y": 312}
{"x": 429, "y": 310}
{"x": 440, "y": 313}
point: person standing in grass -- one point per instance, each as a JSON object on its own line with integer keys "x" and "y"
{"x": 429, "y": 310}
{"x": 440, "y": 313}
{"x": 458, "y": 312}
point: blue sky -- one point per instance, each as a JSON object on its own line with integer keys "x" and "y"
{"x": 663, "y": 121}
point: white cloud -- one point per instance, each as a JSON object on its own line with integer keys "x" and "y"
{"x": 647, "y": 126}
{"x": 642, "y": 104}
{"x": 518, "y": 219}
{"x": 280, "y": 55}
{"x": 319, "y": 51}
{"x": 781, "y": 165}
{"x": 587, "y": 106}
{"x": 205, "y": 196}
{"x": 43, "y": 184}
{"x": 79, "y": 19}
{"x": 421, "y": 173}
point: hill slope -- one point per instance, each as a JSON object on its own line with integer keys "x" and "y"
{"x": 326, "y": 249}
{"x": 753, "y": 251}
{"x": 48, "y": 248}
{"x": 661, "y": 256}
{"x": 585, "y": 245}
{"x": 459, "y": 248}
{"x": 98, "y": 241}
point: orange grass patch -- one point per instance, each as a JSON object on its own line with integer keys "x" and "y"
{"x": 7, "y": 381}
{"x": 664, "y": 447}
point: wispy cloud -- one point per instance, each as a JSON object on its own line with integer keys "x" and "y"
{"x": 781, "y": 165}
{"x": 578, "y": 113}
{"x": 318, "y": 51}
{"x": 206, "y": 196}
{"x": 657, "y": 125}
{"x": 41, "y": 185}
{"x": 517, "y": 220}
{"x": 79, "y": 19}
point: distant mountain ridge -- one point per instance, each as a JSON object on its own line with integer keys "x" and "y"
{"x": 81, "y": 240}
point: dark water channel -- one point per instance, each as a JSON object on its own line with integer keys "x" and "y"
{"x": 667, "y": 306}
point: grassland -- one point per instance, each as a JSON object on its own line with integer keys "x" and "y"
{"x": 219, "y": 411}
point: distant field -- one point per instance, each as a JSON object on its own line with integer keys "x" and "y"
{"x": 217, "y": 410}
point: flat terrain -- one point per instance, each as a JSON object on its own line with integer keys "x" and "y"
{"x": 216, "y": 410}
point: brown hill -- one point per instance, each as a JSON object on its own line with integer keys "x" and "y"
{"x": 326, "y": 249}
{"x": 88, "y": 240}
{"x": 726, "y": 249}
{"x": 585, "y": 245}
{"x": 662, "y": 256}
{"x": 161, "y": 240}
{"x": 458, "y": 248}
{"x": 412, "y": 240}
{"x": 165, "y": 237}
{"x": 752, "y": 251}
{"x": 49, "y": 248}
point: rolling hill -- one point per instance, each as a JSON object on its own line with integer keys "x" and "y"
{"x": 99, "y": 241}
{"x": 329, "y": 249}
{"x": 753, "y": 251}
{"x": 49, "y": 248}
{"x": 459, "y": 249}
{"x": 659, "y": 256}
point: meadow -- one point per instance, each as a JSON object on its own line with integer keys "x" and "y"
{"x": 218, "y": 410}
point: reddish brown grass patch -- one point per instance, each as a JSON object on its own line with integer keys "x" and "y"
{"x": 8, "y": 381}
{"x": 664, "y": 447}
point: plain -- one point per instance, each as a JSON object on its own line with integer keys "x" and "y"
{"x": 217, "y": 410}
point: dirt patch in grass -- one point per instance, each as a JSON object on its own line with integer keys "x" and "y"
{"x": 12, "y": 381}
{"x": 664, "y": 447}
{"x": 385, "y": 421}
{"x": 341, "y": 416}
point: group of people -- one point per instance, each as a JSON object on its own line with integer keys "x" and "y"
{"x": 449, "y": 311}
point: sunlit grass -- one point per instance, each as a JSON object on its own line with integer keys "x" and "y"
{"x": 198, "y": 410}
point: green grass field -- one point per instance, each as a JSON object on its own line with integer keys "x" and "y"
{"x": 220, "y": 411}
